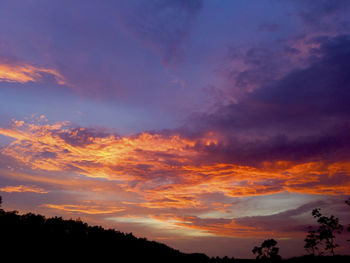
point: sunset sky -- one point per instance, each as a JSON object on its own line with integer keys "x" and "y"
{"x": 206, "y": 125}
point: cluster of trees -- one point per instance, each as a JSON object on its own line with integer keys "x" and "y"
{"x": 319, "y": 241}
{"x": 267, "y": 251}
{"x": 35, "y": 237}
{"x": 32, "y": 236}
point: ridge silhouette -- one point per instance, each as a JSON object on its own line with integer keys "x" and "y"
{"x": 33, "y": 237}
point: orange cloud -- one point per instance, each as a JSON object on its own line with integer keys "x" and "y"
{"x": 214, "y": 227}
{"x": 155, "y": 180}
{"x": 22, "y": 73}
{"x": 164, "y": 171}
{"x": 90, "y": 209}
{"x": 22, "y": 189}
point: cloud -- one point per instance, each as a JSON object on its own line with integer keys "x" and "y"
{"x": 24, "y": 72}
{"x": 304, "y": 99}
{"x": 254, "y": 67}
{"x": 22, "y": 189}
{"x": 330, "y": 146}
{"x": 86, "y": 208}
{"x": 167, "y": 170}
{"x": 288, "y": 134}
{"x": 287, "y": 221}
{"x": 292, "y": 222}
{"x": 219, "y": 227}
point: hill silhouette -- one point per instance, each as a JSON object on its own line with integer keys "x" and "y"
{"x": 33, "y": 237}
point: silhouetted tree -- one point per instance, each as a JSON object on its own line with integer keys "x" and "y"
{"x": 328, "y": 227}
{"x": 312, "y": 242}
{"x": 348, "y": 203}
{"x": 267, "y": 251}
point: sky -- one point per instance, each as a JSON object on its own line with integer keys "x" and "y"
{"x": 207, "y": 125}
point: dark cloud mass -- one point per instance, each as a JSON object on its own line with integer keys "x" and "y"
{"x": 306, "y": 95}
{"x": 328, "y": 147}
{"x": 313, "y": 101}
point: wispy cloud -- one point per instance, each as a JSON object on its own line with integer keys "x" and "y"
{"x": 86, "y": 208}
{"x": 24, "y": 72}
{"x": 164, "y": 170}
{"x": 22, "y": 189}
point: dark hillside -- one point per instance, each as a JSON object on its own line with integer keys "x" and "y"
{"x": 32, "y": 236}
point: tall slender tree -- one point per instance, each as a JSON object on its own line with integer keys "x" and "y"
{"x": 348, "y": 203}
{"x": 328, "y": 227}
{"x": 312, "y": 243}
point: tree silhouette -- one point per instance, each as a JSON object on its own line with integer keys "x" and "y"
{"x": 348, "y": 203}
{"x": 267, "y": 251}
{"x": 328, "y": 227}
{"x": 33, "y": 237}
{"x": 312, "y": 242}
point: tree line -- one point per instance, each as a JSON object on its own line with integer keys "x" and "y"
{"x": 33, "y": 236}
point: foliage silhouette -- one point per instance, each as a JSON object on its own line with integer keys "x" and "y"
{"x": 324, "y": 235}
{"x": 267, "y": 251}
{"x": 348, "y": 203}
{"x": 312, "y": 242}
{"x": 39, "y": 239}
{"x": 35, "y": 237}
